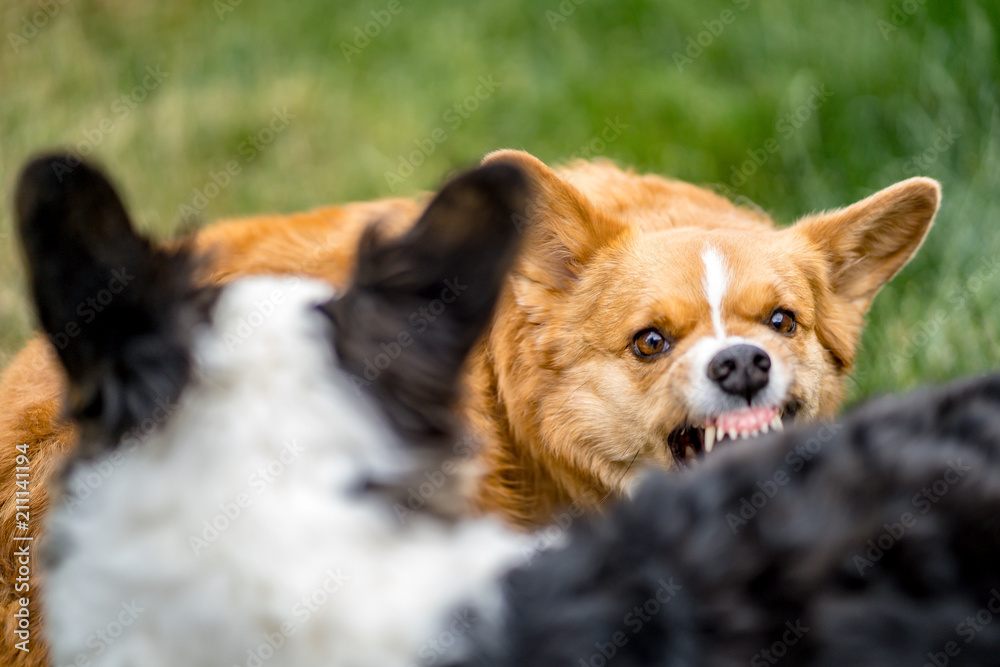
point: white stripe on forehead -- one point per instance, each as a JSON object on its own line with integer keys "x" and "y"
{"x": 715, "y": 282}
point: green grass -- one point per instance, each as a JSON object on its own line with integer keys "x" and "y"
{"x": 891, "y": 92}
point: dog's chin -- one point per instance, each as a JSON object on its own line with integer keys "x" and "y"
{"x": 691, "y": 442}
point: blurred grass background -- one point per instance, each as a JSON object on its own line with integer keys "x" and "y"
{"x": 911, "y": 88}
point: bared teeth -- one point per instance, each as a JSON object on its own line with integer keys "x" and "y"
{"x": 735, "y": 427}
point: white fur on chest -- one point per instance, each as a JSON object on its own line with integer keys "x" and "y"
{"x": 234, "y": 534}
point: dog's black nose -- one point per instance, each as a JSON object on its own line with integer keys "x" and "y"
{"x": 741, "y": 370}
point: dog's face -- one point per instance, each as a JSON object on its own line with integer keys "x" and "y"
{"x": 657, "y": 346}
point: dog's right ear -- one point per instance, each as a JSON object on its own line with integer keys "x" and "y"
{"x": 115, "y": 308}
{"x": 563, "y": 230}
{"x": 864, "y": 246}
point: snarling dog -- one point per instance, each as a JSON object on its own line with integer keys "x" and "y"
{"x": 246, "y": 509}
{"x": 650, "y": 321}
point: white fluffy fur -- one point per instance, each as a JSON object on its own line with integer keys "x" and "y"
{"x": 131, "y": 539}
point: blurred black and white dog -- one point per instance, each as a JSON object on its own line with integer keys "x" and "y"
{"x": 248, "y": 516}
{"x": 243, "y": 509}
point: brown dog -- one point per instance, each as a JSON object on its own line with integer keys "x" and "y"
{"x": 647, "y": 321}
{"x": 650, "y": 319}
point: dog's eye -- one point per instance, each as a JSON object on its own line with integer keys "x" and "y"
{"x": 782, "y": 321}
{"x": 649, "y": 343}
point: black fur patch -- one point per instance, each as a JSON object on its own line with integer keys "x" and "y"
{"x": 870, "y": 542}
{"x": 118, "y": 310}
{"x": 419, "y": 302}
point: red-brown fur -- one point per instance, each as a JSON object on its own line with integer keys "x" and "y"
{"x": 560, "y": 408}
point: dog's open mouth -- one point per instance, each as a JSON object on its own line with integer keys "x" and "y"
{"x": 691, "y": 442}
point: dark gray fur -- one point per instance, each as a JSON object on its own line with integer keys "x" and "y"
{"x": 466, "y": 239}
{"x": 796, "y": 560}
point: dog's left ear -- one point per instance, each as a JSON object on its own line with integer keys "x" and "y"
{"x": 868, "y": 243}
{"x": 118, "y": 310}
{"x": 419, "y": 302}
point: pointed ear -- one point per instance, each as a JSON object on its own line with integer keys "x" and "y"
{"x": 869, "y": 242}
{"x": 109, "y": 302}
{"x": 863, "y": 247}
{"x": 419, "y": 302}
{"x": 563, "y": 230}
